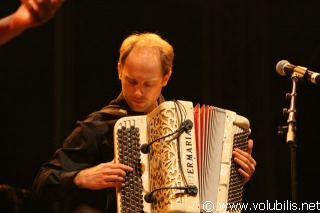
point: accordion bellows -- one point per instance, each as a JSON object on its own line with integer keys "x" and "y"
{"x": 185, "y": 167}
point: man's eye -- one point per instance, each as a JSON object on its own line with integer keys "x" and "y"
{"x": 132, "y": 82}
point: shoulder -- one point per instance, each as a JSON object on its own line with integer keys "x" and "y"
{"x": 106, "y": 114}
{"x": 114, "y": 111}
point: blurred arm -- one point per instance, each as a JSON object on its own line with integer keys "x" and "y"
{"x": 31, "y": 13}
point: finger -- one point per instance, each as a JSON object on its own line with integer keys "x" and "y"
{"x": 250, "y": 146}
{"x": 114, "y": 184}
{"x": 245, "y": 165}
{"x": 116, "y": 172}
{"x": 246, "y": 176}
{"x": 125, "y": 167}
{"x": 115, "y": 169}
{"x": 246, "y": 162}
{"x": 244, "y": 171}
{"x": 113, "y": 178}
{"x": 32, "y": 8}
{"x": 50, "y": 6}
{"x": 119, "y": 166}
{"x": 243, "y": 156}
{"x": 40, "y": 10}
{"x": 44, "y": 9}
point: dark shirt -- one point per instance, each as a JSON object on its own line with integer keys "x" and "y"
{"x": 90, "y": 144}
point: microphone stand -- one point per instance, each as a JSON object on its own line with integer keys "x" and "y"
{"x": 291, "y": 136}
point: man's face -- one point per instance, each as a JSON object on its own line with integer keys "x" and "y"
{"x": 142, "y": 79}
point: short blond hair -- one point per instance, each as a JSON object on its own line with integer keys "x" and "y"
{"x": 152, "y": 40}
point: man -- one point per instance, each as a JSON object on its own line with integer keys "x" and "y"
{"x": 85, "y": 162}
{"x": 31, "y": 13}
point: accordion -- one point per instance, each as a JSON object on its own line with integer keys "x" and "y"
{"x": 181, "y": 158}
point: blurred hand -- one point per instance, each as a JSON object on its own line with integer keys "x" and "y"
{"x": 34, "y": 12}
{"x": 245, "y": 161}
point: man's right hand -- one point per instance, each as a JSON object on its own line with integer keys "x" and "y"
{"x": 102, "y": 176}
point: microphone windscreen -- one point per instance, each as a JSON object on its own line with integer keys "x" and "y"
{"x": 280, "y": 67}
{"x": 150, "y": 197}
{"x": 145, "y": 148}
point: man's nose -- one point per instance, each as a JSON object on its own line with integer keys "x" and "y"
{"x": 138, "y": 91}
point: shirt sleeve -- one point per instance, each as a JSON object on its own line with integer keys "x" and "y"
{"x": 55, "y": 179}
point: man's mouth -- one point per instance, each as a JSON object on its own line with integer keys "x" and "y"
{"x": 137, "y": 101}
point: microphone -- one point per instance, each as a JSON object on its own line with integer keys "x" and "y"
{"x": 285, "y": 68}
{"x": 184, "y": 127}
{"x": 192, "y": 190}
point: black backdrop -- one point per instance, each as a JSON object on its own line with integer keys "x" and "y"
{"x": 226, "y": 53}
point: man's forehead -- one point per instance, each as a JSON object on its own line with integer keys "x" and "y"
{"x": 145, "y": 52}
{"x": 137, "y": 78}
{"x": 142, "y": 63}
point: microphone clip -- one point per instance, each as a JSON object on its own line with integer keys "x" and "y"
{"x": 190, "y": 190}
{"x": 185, "y": 126}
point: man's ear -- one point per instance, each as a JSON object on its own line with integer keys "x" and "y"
{"x": 119, "y": 70}
{"x": 166, "y": 78}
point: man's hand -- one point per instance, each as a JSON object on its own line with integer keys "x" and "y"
{"x": 245, "y": 161}
{"x": 102, "y": 176}
{"x": 32, "y": 13}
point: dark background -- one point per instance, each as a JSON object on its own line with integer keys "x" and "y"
{"x": 226, "y": 53}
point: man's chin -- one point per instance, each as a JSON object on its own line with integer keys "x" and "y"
{"x": 137, "y": 108}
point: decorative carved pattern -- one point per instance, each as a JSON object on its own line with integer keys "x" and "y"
{"x": 164, "y": 164}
